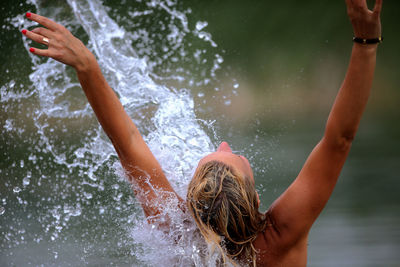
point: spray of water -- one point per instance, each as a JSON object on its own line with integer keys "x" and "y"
{"x": 70, "y": 202}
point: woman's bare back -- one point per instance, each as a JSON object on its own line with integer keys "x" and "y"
{"x": 274, "y": 253}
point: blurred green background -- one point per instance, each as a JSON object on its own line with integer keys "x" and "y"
{"x": 289, "y": 59}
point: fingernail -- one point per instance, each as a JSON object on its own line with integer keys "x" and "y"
{"x": 24, "y": 31}
{"x": 28, "y": 14}
{"x": 32, "y": 50}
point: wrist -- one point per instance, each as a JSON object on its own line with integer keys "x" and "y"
{"x": 366, "y": 47}
{"x": 86, "y": 63}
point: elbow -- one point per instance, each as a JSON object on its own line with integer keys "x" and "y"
{"x": 341, "y": 142}
{"x": 339, "y": 138}
{"x": 344, "y": 143}
{"x": 348, "y": 137}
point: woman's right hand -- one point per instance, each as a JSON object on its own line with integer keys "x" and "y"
{"x": 62, "y": 45}
{"x": 366, "y": 23}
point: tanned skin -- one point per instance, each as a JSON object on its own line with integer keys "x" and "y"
{"x": 290, "y": 217}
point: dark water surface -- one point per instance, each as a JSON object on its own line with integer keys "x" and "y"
{"x": 288, "y": 60}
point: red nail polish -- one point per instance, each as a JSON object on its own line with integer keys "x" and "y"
{"x": 28, "y": 14}
{"x": 32, "y": 49}
{"x": 24, "y": 31}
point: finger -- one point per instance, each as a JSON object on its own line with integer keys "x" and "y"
{"x": 48, "y": 23}
{"x": 378, "y": 6}
{"x": 349, "y": 5}
{"x": 359, "y": 3}
{"x": 43, "y": 31}
{"x": 363, "y": 3}
{"x": 35, "y": 37}
{"x": 40, "y": 52}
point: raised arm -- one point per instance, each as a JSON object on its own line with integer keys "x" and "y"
{"x": 140, "y": 164}
{"x": 298, "y": 207}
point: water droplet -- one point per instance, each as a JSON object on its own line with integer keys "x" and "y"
{"x": 17, "y": 189}
{"x": 227, "y": 102}
{"x": 8, "y": 125}
{"x": 67, "y": 209}
{"x": 12, "y": 84}
{"x": 76, "y": 212}
{"x": 115, "y": 186}
{"x": 2, "y": 210}
{"x": 87, "y": 195}
{"x": 92, "y": 177}
{"x": 32, "y": 158}
{"x": 219, "y": 59}
{"x": 118, "y": 197}
{"x": 101, "y": 210}
{"x": 22, "y": 164}
{"x": 26, "y": 181}
{"x": 201, "y": 25}
{"x": 200, "y": 94}
{"x": 236, "y": 85}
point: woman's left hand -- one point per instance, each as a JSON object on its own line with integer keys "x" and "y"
{"x": 62, "y": 45}
{"x": 366, "y": 23}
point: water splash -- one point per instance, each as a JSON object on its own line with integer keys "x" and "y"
{"x": 2, "y": 210}
{"x": 69, "y": 184}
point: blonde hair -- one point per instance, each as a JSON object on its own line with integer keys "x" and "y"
{"x": 224, "y": 205}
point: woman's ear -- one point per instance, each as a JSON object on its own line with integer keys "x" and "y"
{"x": 258, "y": 200}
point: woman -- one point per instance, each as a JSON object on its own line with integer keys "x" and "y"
{"x": 221, "y": 196}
